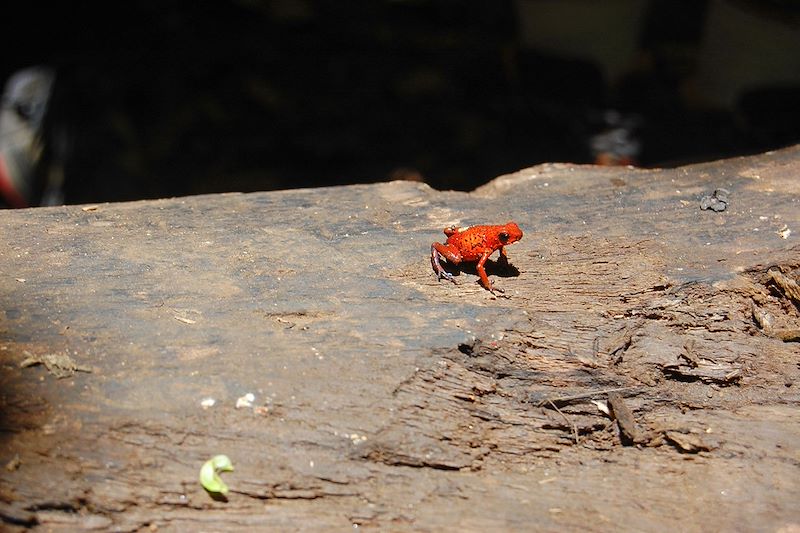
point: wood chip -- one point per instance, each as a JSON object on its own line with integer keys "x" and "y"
{"x": 688, "y": 442}
{"x": 789, "y": 286}
{"x": 689, "y": 355}
{"x": 628, "y": 429}
{"x": 766, "y": 322}
{"x": 58, "y": 365}
{"x": 14, "y": 463}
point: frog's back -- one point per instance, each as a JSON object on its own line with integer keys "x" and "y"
{"x": 474, "y": 241}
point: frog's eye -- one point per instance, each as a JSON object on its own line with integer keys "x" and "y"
{"x": 503, "y": 236}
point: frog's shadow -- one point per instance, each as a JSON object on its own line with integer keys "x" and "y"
{"x": 502, "y": 269}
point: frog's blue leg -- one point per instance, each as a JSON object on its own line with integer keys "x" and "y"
{"x": 437, "y": 251}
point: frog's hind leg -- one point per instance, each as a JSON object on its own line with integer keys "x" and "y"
{"x": 437, "y": 251}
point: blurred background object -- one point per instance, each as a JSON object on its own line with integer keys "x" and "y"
{"x": 150, "y": 99}
{"x": 22, "y": 111}
{"x": 617, "y": 144}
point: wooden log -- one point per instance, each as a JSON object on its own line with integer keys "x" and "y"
{"x": 132, "y": 334}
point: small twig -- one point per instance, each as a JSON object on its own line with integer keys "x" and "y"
{"x": 568, "y": 421}
{"x": 580, "y": 396}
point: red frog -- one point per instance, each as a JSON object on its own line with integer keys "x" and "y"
{"x": 472, "y": 244}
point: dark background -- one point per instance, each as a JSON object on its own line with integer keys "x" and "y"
{"x": 163, "y": 98}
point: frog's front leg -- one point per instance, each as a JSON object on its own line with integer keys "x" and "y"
{"x": 503, "y": 256}
{"x": 482, "y": 272}
{"x": 437, "y": 251}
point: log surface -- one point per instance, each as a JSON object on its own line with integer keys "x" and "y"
{"x": 640, "y": 371}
